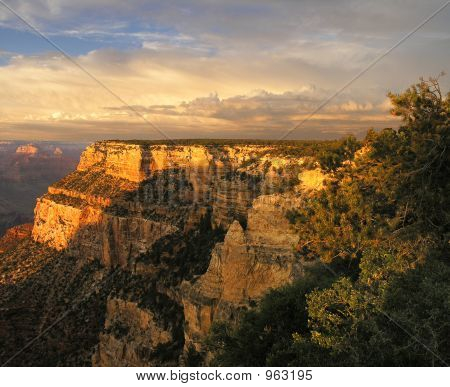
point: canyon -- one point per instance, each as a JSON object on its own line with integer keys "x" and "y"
{"x": 26, "y": 170}
{"x": 147, "y": 244}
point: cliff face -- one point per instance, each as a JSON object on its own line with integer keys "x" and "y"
{"x": 28, "y": 149}
{"x": 91, "y": 233}
{"x": 191, "y": 233}
{"x": 245, "y": 266}
{"x": 131, "y": 335}
{"x": 127, "y": 161}
{"x": 124, "y": 197}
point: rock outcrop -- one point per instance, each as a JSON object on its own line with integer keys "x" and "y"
{"x": 124, "y": 197}
{"x": 14, "y": 236}
{"x": 175, "y": 236}
{"x": 132, "y": 334}
{"x": 28, "y": 149}
{"x": 243, "y": 268}
{"x": 89, "y": 232}
{"x": 25, "y": 174}
{"x": 311, "y": 180}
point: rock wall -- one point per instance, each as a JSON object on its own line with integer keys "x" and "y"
{"x": 131, "y": 335}
{"x": 154, "y": 213}
{"x": 117, "y": 159}
{"x": 243, "y": 268}
{"x": 90, "y": 233}
{"x": 124, "y": 197}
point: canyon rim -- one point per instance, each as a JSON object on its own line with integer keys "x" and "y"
{"x": 147, "y": 244}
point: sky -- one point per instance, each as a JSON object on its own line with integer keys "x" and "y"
{"x": 211, "y": 69}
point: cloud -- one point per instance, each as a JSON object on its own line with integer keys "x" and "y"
{"x": 264, "y": 107}
{"x": 229, "y": 26}
{"x": 237, "y": 67}
{"x": 265, "y": 20}
{"x": 169, "y": 89}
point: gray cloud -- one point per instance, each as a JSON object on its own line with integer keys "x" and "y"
{"x": 274, "y": 113}
{"x": 235, "y": 23}
{"x": 210, "y": 54}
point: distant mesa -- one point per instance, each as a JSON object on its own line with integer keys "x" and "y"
{"x": 58, "y": 151}
{"x": 28, "y": 149}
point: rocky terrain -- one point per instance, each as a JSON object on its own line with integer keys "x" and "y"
{"x": 145, "y": 245}
{"x": 243, "y": 267}
{"x": 14, "y": 235}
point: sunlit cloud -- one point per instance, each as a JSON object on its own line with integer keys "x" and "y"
{"x": 254, "y": 69}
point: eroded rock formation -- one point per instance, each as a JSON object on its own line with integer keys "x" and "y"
{"x": 28, "y": 149}
{"x": 124, "y": 197}
{"x": 244, "y": 267}
{"x": 176, "y": 236}
{"x": 132, "y": 333}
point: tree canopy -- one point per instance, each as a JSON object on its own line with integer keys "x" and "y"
{"x": 381, "y": 226}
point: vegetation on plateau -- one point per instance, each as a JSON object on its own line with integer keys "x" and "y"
{"x": 379, "y": 293}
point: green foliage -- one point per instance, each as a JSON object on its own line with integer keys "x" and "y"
{"x": 332, "y": 158}
{"x": 280, "y": 314}
{"x": 402, "y": 320}
{"x": 422, "y": 156}
{"x": 193, "y": 358}
{"x": 381, "y": 225}
{"x": 399, "y": 184}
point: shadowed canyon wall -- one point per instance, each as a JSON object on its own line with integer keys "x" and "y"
{"x": 181, "y": 236}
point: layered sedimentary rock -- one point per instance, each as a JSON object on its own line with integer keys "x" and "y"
{"x": 28, "y": 149}
{"x": 175, "y": 236}
{"x": 117, "y": 159}
{"x": 243, "y": 268}
{"x": 89, "y": 232}
{"x": 124, "y": 197}
{"x": 26, "y": 175}
{"x": 38, "y": 286}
